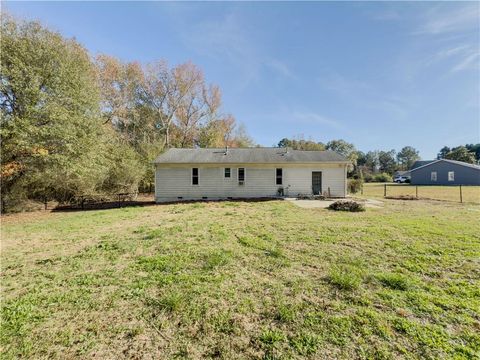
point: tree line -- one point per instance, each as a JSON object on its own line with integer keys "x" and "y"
{"x": 73, "y": 124}
{"x": 377, "y": 160}
{"x": 381, "y": 164}
{"x": 469, "y": 153}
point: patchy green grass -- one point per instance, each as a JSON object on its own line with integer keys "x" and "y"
{"x": 243, "y": 280}
{"x": 345, "y": 278}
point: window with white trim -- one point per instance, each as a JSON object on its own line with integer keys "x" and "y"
{"x": 451, "y": 176}
{"x": 241, "y": 176}
{"x": 278, "y": 176}
{"x": 226, "y": 173}
{"x": 194, "y": 176}
{"x": 433, "y": 176}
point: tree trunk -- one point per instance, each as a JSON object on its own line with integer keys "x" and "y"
{"x": 167, "y": 137}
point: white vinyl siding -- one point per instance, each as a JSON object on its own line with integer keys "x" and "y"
{"x": 174, "y": 182}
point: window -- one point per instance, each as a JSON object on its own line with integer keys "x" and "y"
{"x": 433, "y": 176}
{"x": 241, "y": 176}
{"x": 451, "y": 176}
{"x": 194, "y": 176}
{"x": 279, "y": 176}
{"x": 226, "y": 174}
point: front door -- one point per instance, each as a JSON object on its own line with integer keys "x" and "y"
{"x": 317, "y": 182}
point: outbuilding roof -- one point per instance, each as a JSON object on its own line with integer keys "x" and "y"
{"x": 419, "y": 163}
{"x": 461, "y": 163}
{"x": 247, "y": 155}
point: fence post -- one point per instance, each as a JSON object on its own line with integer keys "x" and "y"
{"x": 384, "y": 190}
{"x": 361, "y": 189}
{"x": 461, "y": 197}
{"x": 416, "y": 191}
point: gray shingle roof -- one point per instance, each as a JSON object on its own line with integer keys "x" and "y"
{"x": 247, "y": 155}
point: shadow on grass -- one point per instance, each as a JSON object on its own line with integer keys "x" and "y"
{"x": 142, "y": 203}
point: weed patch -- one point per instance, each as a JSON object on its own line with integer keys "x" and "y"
{"x": 395, "y": 281}
{"x": 345, "y": 278}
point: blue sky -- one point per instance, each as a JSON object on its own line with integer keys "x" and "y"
{"x": 379, "y": 74}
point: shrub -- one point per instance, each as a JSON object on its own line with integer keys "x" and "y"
{"x": 368, "y": 178}
{"x": 352, "y": 206}
{"x": 354, "y": 185}
{"x": 383, "y": 177}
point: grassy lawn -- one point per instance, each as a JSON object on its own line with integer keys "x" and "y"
{"x": 470, "y": 194}
{"x": 243, "y": 280}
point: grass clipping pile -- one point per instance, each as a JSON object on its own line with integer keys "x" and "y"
{"x": 351, "y": 206}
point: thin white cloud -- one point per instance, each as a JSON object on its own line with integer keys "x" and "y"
{"x": 315, "y": 119}
{"x": 301, "y": 118}
{"x": 226, "y": 39}
{"x": 362, "y": 94}
{"x": 445, "y": 36}
{"x": 452, "y": 51}
{"x": 469, "y": 62}
{"x": 280, "y": 67}
{"x": 442, "y": 20}
{"x": 464, "y": 57}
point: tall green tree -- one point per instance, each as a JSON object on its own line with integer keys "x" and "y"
{"x": 387, "y": 161}
{"x": 372, "y": 160}
{"x": 300, "y": 143}
{"x": 344, "y": 148}
{"x": 461, "y": 153}
{"x": 443, "y": 152}
{"x": 407, "y": 156}
{"x": 475, "y": 148}
{"x": 53, "y": 140}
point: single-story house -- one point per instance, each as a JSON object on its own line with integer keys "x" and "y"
{"x": 195, "y": 174}
{"x": 446, "y": 172}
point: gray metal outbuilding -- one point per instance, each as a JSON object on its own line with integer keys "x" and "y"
{"x": 446, "y": 172}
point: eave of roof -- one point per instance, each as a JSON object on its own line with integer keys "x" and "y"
{"x": 473, "y": 166}
{"x": 248, "y": 156}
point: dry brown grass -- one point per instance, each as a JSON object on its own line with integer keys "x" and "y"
{"x": 470, "y": 194}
